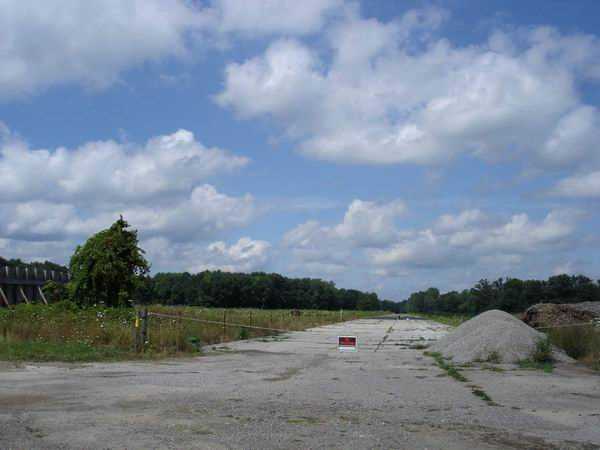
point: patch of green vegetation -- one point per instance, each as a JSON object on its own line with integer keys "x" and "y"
{"x": 529, "y": 364}
{"x": 493, "y": 368}
{"x": 418, "y": 346}
{"x": 482, "y": 395}
{"x": 494, "y": 358}
{"x": 543, "y": 351}
{"x": 67, "y": 352}
{"x": 450, "y": 369}
{"x": 303, "y": 420}
{"x": 244, "y": 334}
{"x": 541, "y": 357}
{"x": 454, "y": 372}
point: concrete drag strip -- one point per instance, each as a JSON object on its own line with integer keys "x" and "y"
{"x": 298, "y": 391}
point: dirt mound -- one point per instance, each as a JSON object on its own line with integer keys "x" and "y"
{"x": 494, "y": 336}
{"x": 552, "y": 314}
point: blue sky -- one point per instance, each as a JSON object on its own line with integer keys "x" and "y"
{"x": 388, "y": 146}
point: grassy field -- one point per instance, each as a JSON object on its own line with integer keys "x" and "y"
{"x": 63, "y": 332}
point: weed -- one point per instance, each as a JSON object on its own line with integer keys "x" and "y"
{"x": 195, "y": 343}
{"x": 481, "y": 394}
{"x": 450, "y": 369}
{"x": 547, "y": 366}
{"x": 494, "y": 358}
{"x": 303, "y": 421}
{"x": 418, "y": 346}
{"x": 543, "y": 351}
{"x": 453, "y": 372}
{"x": 244, "y": 334}
{"x": 493, "y": 368}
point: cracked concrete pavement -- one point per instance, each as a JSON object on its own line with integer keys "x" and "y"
{"x": 298, "y": 391}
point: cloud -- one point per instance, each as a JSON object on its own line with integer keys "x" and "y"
{"x": 89, "y": 43}
{"x": 394, "y": 92}
{"x": 368, "y": 223}
{"x": 205, "y": 213}
{"x": 476, "y": 242}
{"x": 574, "y": 138}
{"x": 94, "y": 43}
{"x": 245, "y": 255}
{"x": 472, "y": 242}
{"x": 281, "y": 83}
{"x": 365, "y": 224}
{"x": 450, "y": 223}
{"x": 64, "y": 195}
{"x": 581, "y": 185}
{"x": 110, "y": 170}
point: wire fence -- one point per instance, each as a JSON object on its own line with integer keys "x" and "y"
{"x": 183, "y": 330}
{"x": 154, "y": 333}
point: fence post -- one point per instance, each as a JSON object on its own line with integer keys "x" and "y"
{"x": 136, "y": 332}
{"x": 178, "y": 343}
{"x": 224, "y": 325}
{"x": 144, "y": 334}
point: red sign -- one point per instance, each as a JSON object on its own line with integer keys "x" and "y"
{"x": 347, "y": 343}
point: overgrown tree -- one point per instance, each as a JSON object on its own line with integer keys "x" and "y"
{"x": 108, "y": 268}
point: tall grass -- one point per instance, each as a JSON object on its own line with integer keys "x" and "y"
{"x": 579, "y": 342}
{"x": 65, "y": 332}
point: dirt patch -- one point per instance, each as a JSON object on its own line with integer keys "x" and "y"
{"x": 286, "y": 375}
{"x": 22, "y": 400}
{"x": 551, "y": 315}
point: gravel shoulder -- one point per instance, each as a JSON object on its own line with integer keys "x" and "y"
{"x": 298, "y": 391}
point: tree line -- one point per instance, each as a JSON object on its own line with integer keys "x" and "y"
{"x": 510, "y": 294}
{"x": 43, "y": 265}
{"x": 252, "y": 290}
{"x": 110, "y": 268}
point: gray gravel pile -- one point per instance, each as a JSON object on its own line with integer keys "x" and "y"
{"x": 491, "y": 335}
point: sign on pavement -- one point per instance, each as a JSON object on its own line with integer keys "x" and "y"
{"x": 347, "y": 343}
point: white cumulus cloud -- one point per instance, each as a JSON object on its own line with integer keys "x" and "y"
{"x": 91, "y": 43}
{"x": 394, "y": 92}
{"x": 110, "y": 170}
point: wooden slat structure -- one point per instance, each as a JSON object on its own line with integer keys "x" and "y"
{"x": 20, "y": 284}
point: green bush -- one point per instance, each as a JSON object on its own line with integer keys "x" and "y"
{"x": 65, "y": 306}
{"x": 543, "y": 351}
{"x": 244, "y": 334}
{"x": 195, "y": 343}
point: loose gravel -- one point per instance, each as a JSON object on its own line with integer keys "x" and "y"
{"x": 494, "y": 336}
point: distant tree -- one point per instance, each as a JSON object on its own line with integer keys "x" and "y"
{"x": 108, "y": 267}
{"x": 368, "y": 302}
